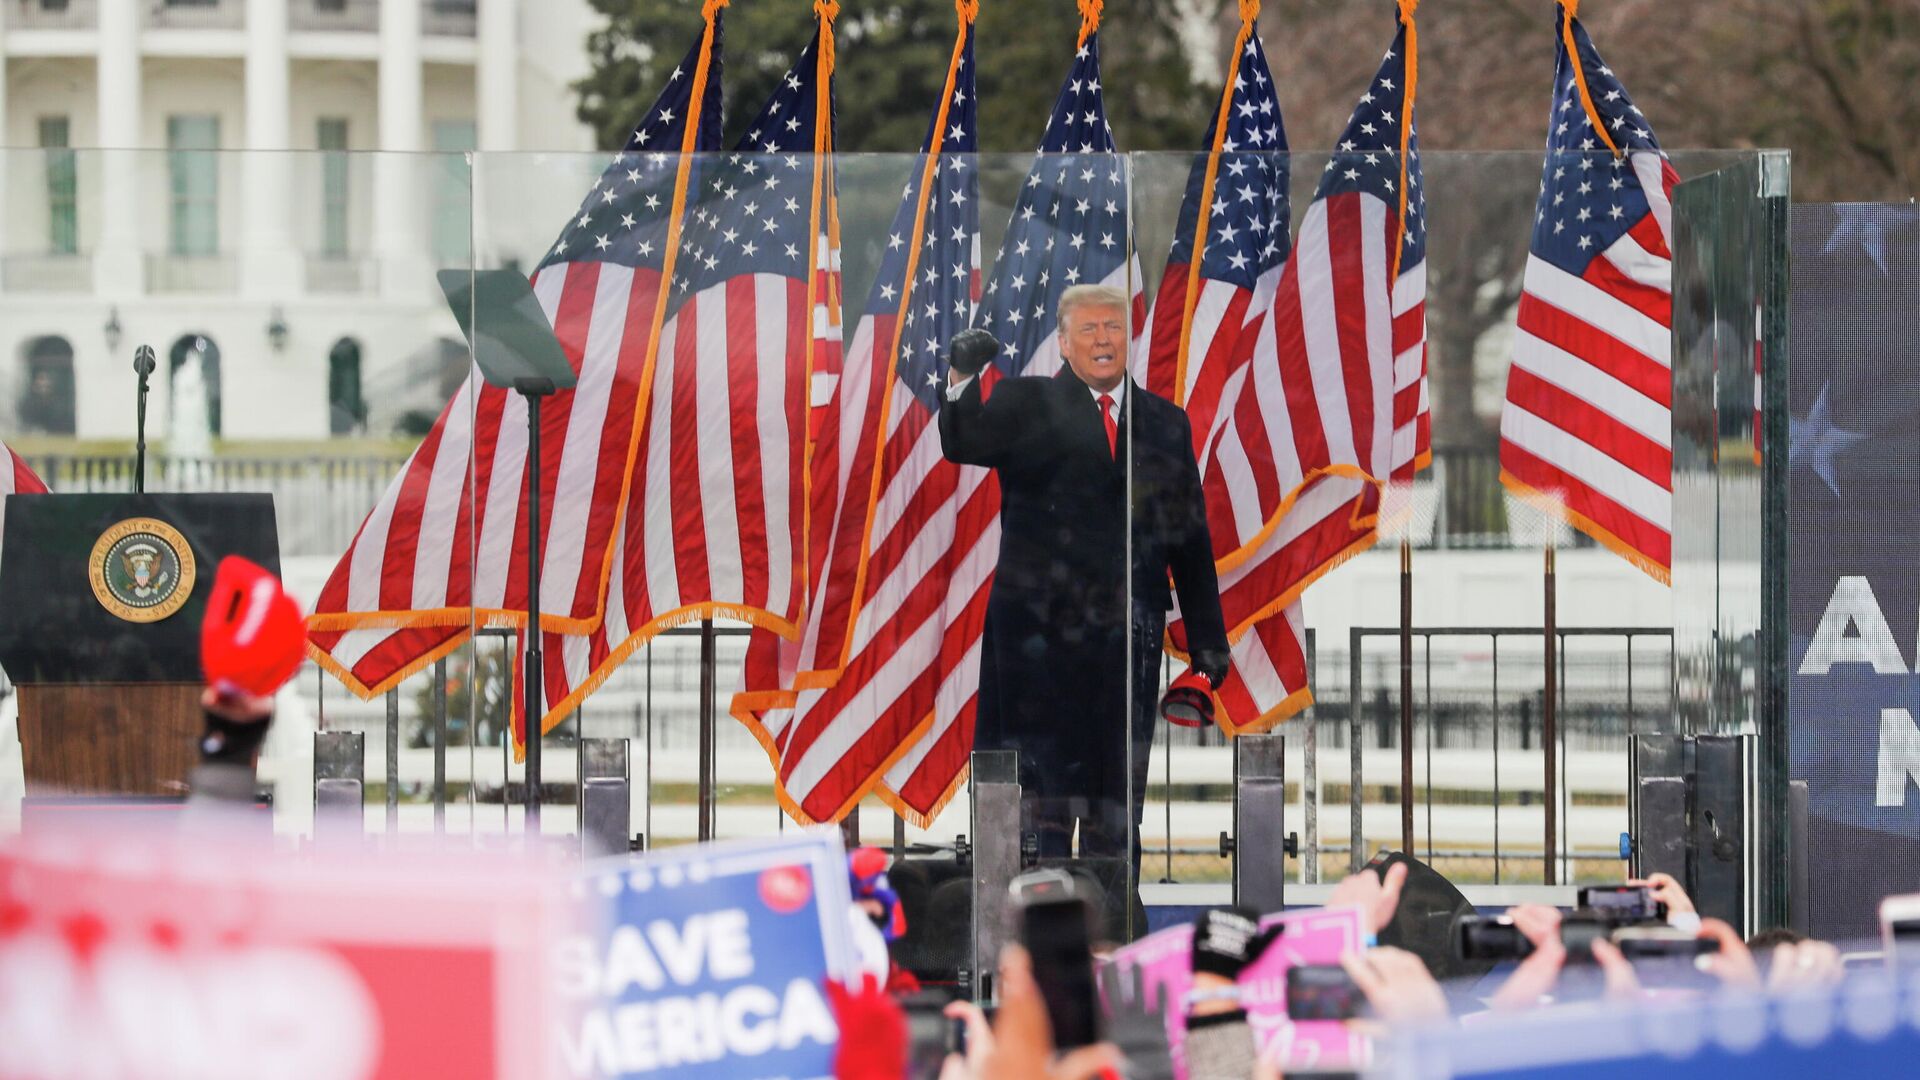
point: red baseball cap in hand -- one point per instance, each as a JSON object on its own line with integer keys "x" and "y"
{"x": 1188, "y": 701}
{"x": 253, "y": 636}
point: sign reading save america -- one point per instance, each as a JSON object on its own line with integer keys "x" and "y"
{"x": 710, "y": 961}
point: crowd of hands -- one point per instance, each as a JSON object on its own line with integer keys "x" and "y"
{"x": 1016, "y": 1043}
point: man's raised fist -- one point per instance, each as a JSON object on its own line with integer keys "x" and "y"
{"x": 971, "y": 351}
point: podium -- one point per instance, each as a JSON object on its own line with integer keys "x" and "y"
{"x": 103, "y": 596}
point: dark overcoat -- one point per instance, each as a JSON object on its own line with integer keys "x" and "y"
{"x": 1060, "y": 612}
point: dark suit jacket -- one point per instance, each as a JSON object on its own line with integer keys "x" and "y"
{"x": 1059, "y": 617}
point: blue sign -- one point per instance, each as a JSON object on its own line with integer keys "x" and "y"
{"x": 1853, "y": 548}
{"x": 1863, "y": 1030}
{"x": 711, "y": 960}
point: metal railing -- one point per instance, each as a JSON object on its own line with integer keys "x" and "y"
{"x": 53, "y": 14}
{"x": 1597, "y": 716}
{"x": 1478, "y": 783}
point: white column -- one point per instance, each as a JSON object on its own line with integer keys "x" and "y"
{"x": 399, "y": 212}
{"x": 118, "y": 269}
{"x": 270, "y": 262}
{"x": 497, "y": 76}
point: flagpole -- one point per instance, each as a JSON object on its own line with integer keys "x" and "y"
{"x": 1406, "y": 696}
{"x": 1547, "y": 720}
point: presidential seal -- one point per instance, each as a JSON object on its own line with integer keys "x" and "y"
{"x": 142, "y": 570}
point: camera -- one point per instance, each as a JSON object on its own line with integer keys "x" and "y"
{"x": 1490, "y": 938}
{"x": 1622, "y": 904}
{"x": 1055, "y": 927}
{"x": 1322, "y": 992}
{"x": 1900, "y": 930}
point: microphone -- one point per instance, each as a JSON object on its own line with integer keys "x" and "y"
{"x": 143, "y": 366}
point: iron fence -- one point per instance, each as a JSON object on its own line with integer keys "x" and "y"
{"x": 1477, "y": 784}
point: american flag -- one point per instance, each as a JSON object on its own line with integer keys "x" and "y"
{"x": 1345, "y": 412}
{"x": 445, "y": 547}
{"x": 715, "y": 514}
{"x": 1587, "y": 427}
{"x": 1069, "y": 226}
{"x": 892, "y": 613}
{"x": 16, "y": 478}
{"x": 1226, "y": 372}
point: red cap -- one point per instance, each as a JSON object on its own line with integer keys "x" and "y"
{"x": 1188, "y": 701}
{"x": 254, "y": 636}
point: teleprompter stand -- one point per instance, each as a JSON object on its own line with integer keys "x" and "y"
{"x": 515, "y": 349}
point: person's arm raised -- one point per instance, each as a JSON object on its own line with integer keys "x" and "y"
{"x": 974, "y": 431}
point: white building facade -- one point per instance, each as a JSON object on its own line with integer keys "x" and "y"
{"x": 298, "y": 273}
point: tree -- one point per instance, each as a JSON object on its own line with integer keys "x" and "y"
{"x": 891, "y": 61}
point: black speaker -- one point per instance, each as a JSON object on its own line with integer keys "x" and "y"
{"x": 1423, "y": 924}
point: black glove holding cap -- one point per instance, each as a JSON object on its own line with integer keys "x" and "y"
{"x": 1211, "y": 663}
{"x": 1227, "y": 940}
{"x": 970, "y": 352}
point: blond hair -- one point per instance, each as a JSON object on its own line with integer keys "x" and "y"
{"x": 1088, "y": 296}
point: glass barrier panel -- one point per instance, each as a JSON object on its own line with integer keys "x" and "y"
{"x": 298, "y": 356}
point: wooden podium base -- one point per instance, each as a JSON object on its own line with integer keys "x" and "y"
{"x": 109, "y": 738}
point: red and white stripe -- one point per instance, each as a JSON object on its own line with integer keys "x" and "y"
{"x": 445, "y": 547}
{"x": 1588, "y": 417}
{"x": 713, "y": 519}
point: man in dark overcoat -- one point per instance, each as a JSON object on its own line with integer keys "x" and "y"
{"x": 1095, "y": 474}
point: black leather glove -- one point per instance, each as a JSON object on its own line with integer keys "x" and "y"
{"x": 971, "y": 351}
{"x": 1211, "y": 663}
{"x": 1227, "y": 940}
{"x": 227, "y": 742}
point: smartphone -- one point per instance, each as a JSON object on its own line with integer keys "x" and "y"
{"x": 1055, "y": 932}
{"x": 1667, "y": 958}
{"x": 1677, "y": 946}
{"x": 1048, "y": 884}
{"x": 1490, "y": 938}
{"x": 929, "y": 1035}
{"x": 1622, "y": 903}
{"x": 1322, "y": 992}
{"x": 1578, "y": 932}
{"x": 1900, "y": 930}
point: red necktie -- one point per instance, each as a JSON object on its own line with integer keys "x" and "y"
{"x": 1113, "y": 431}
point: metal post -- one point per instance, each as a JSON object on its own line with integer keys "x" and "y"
{"x": 899, "y": 837}
{"x": 535, "y": 712}
{"x": 1799, "y": 869}
{"x": 1406, "y": 696}
{"x": 440, "y": 747}
{"x": 393, "y": 762}
{"x": 1260, "y": 844}
{"x": 1547, "y": 733}
{"x": 1310, "y": 782}
{"x": 646, "y": 820}
{"x": 1496, "y": 759}
{"x": 707, "y": 693}
{"x": 996, "y": 859}
{"x": 1356, "y": 842}
{"x": 850, "y": 829}
{"x": 605, "y": 811}
{"x": 1426, "y": 706}
{"x": 339, "y": 785}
